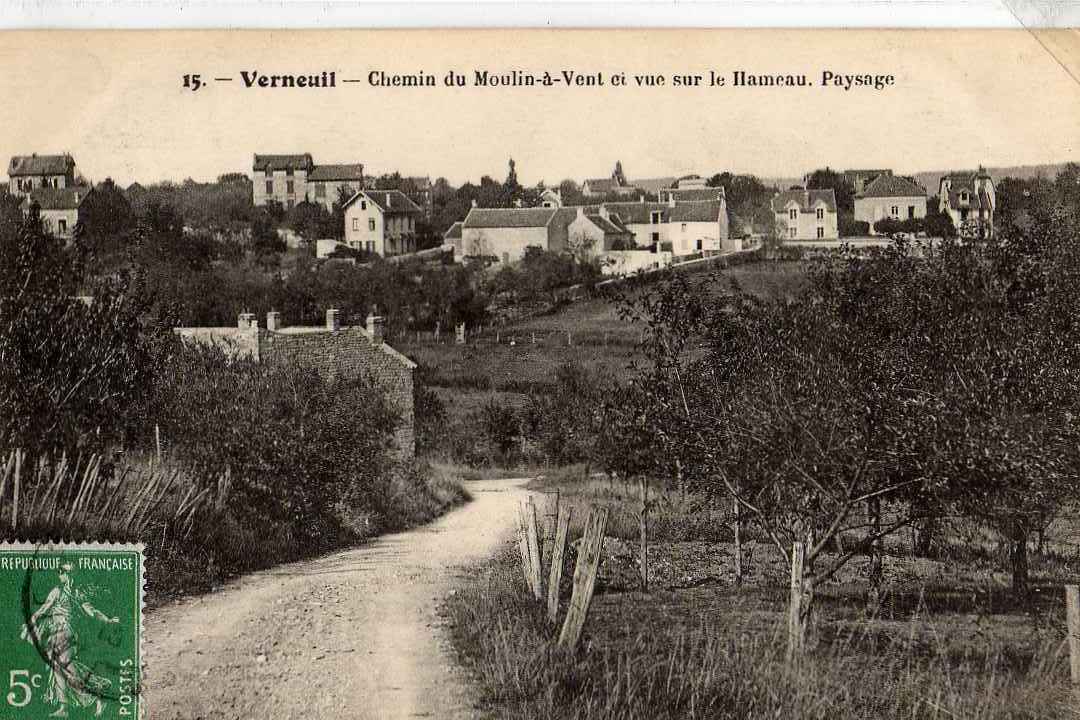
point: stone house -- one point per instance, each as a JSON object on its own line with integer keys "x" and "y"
{"x": 281, "y": 178}
{"x": 969, "y": 199}
{"x": 336, "y": 351}
{"x": 325, "y": 183}
{"x": 503, "y": 234}
{"x": 58, "y": 207}
{"x": 598, "y": 232}
{"x": 806, "y": 214}
{"x": 694, "y": 226}
{"x": 27, "y": 173}
{"x": 890, "y": 197}
{"x": 381, "y": 222}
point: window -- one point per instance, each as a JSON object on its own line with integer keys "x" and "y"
{"x": 371, "y": 224}
{"x": 911, "y": 212}
{"x": 793, "y": 214}
{"x": 356, "y": 224}
{"x": 697, "y": 244}
{"x": 289, "y": 187}
{"x": 820, "y": 232}
{"x": 62, "y": 226}
{"x": 791, "y": 232}
{"x": 288, "y": 172}
{"x": 371, "y": 246}
{"x": 269, "y": 187}
{"x": 656, "y": 238}
{"x": 363, "y": 204}
{"x": 821, "y": 213}
{"x": 963, "y": 196}
{"x": 684, "y": 227}
{"x": 654, "y": 218}
{"x": 894, "y": 211}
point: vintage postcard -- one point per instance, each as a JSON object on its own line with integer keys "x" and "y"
{"x": 639, "y": 373}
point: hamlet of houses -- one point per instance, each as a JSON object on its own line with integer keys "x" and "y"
{"x": 634, "y": 223}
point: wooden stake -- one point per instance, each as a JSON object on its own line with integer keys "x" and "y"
{"x": 523, "y": 548}
{"x": 557, "y": 552}
{"x": 1072, "y": 614}
{"x": 588, "y": 563}
{"x": 535, "y": 561}
{"x": 548, "y": 526}
{"x": 796, "y": 627}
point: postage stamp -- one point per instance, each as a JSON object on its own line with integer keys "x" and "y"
{"x": 70, "y": 630}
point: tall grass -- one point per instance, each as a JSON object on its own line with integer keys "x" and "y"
{"x": 86, "y": 496}
{"x": 721, "y": 666}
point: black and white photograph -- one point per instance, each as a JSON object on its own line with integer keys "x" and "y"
{"x": 596, "y": 374}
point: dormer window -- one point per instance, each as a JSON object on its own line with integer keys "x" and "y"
{"x": 793, "y": 214}
{"x": 821, "y": 213}
{"x": 963, "y": 196}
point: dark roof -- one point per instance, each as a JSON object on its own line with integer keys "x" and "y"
{"x": 337, "y": 172}
{"x": 40, "y": 165}
{"x": 391, "y": 202}
{"x": 707, "y": 211}
{"x": 806, "y": 200}
{"x": 508, "y": 217}
{"x": 965, "y": 181}
{"x": 652, "y": 184}
{"x": 608, "y": 227}
{"x": 453, "y": 232}
{"x": 893, "y": 186}
{"x": 68, "y": 198}
{"x": 269, "y": 163}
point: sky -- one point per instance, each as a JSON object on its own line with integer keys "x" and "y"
{"x": 116, "y": 101}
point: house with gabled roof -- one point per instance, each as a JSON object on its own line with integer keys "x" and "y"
{"x": 326, "y": 183}
{"x": 58, "y": 208}
{"x": 969, "y": 199}
{"x": 803, "y": 214}
{"x": 382, "y": 222}
{"x": 503, "y": 234}
{"x": 859, "y": 179}
{"x": 280, "y": 178}
{"x": 890, "y": 197}
{"x": 27, "y": 173}
{"x": 598, "y": 231}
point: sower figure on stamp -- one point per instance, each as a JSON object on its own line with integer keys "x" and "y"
{"x": 70, "y": 681}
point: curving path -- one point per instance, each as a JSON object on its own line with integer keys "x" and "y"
{"x": 349, "y": 635}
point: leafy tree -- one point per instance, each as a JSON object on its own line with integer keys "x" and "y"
{"x": 827, "y": 179}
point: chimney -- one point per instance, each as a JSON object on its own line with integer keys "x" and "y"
{"x": 273, "y": 320}
{"x": 333, "y": 320}
{"x": 375, "y": 328}
{"x": 246, "y": 320}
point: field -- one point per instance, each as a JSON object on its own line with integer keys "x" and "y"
{"x": 507, "y": 362}
{"x": 947, "y": 641}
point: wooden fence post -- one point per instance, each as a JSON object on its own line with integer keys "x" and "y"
{"x": 1072, "y": 614}
{"x": 796, "y": 627}
{"x": 557, "y": 552}
{"x": 548, "y": 526}
{"x": 535, "y": 561}
{"x": 643, "y": 529}
{"x": 588, "y": 563}
{"x": 523, "y": 547}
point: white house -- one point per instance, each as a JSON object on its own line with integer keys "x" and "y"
{"x": 382, "y": 222}
{"x": 697, "y": 226}
{"x": 890, "y": 197}
{"x": 969, "y": 199}
{"x": 806, "y": 214}
{"x": 503, "y": 234}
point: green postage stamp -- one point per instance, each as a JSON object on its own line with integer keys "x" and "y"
{"x": 70, "y": 630}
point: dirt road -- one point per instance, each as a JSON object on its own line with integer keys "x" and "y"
{"x": 351, "y": 635}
